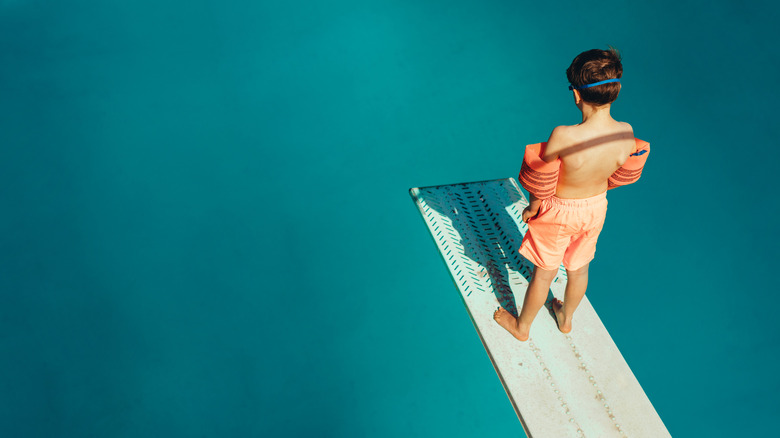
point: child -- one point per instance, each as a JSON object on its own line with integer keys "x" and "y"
{"x": 568, "y": 178}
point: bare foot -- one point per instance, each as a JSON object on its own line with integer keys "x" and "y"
{"x": 510, "y": 323}
{"x": 563, "y": 326}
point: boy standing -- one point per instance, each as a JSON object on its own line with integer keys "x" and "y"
{"x": 568, "y": 178}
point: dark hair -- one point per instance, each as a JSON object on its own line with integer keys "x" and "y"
{"x": 594, "y": 66}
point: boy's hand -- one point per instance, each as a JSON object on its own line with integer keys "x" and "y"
{"x": 533, "y": 207}
{"x": 530, "y": 212}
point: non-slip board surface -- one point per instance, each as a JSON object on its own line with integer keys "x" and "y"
{"x": 560, "y": 385}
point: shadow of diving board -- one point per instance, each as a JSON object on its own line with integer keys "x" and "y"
{"x": 575, "y": 385}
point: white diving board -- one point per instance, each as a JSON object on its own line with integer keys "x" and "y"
{"x": 560, "y": 385}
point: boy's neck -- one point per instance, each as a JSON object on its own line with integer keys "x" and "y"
{"x": 595, "y": 113}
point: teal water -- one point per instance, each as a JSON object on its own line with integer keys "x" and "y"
{"x": 206, "y": 229}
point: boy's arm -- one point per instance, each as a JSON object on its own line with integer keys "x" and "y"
{"x": 532, "y": 209}
{"x": 631, "y": 170}
{"x": 549, "y": 154}
{"x": 554, "y": 144}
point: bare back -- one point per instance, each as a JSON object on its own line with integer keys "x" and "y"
{"x": 590, "y": 153}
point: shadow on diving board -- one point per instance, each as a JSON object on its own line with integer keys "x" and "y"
{"x": 559, "y": 385}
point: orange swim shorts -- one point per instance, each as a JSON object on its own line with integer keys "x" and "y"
{"x": 565, "y": 230}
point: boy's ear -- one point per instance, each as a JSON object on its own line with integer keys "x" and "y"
{"x": 577, "y": 97}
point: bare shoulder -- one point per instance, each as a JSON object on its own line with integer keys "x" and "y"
{"x": 626, "y": 128}
{"x": 564, "y": 132}
{"x": 561, "y": 138}
{"x": 627, "y": 133}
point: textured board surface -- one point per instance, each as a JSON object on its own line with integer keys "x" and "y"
{"x": 560, "y": 385}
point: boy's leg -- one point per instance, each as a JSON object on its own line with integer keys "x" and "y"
{"x": 535, "y": 297}
{"x": 576, "y": 284}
